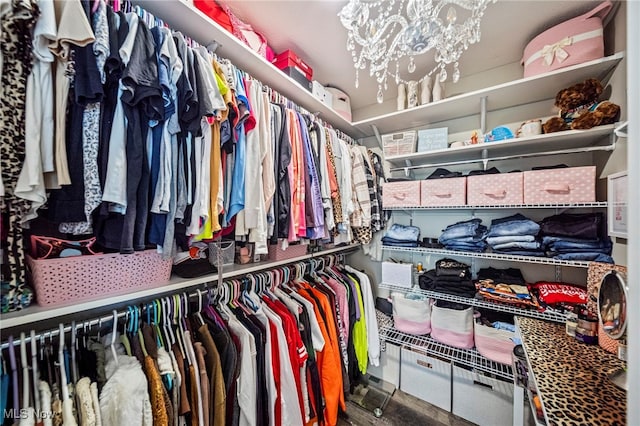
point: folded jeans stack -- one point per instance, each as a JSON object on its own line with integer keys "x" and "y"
{"x": 401, "y": 236}
{"x": 467, "y": 235}
{"x": 515, "y": 235}
{"x": 576, "y": 237}
{"x": 450, "y": 277}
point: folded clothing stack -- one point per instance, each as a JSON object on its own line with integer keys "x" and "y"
{"x": 450, "y": 277}
{"x": 576, "y": 237}
{"x": 515, "y": 235}
{"x": 467, "y": 235}
{"x": 560, "y": 296}
{"x": 505, "y": 286}
{"x": 401, "y": 236}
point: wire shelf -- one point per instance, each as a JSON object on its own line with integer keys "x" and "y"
{"x": 468, "y": 357}
{"x": 505, "y": 206}
{"x": 542, "y": 315}
{"x": 494, "y": 256}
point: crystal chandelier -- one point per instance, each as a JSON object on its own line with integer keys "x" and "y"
{"x": 379, "y": 34}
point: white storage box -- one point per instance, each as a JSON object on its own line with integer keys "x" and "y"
{"x": 340, "y": 102}
{"x": 402, "y": 143}
{"x": 389, "y": 368}
{"x": 482, "y": 399}
{"x": 400, "y": 274}
{"x": 432, "y": 139}
{"x": 318, "y": 91}
{"x": 426, "y": 377}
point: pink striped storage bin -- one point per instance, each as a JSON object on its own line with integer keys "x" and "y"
{"x": 452, "y": 327}
{"x": 401, "y": 194}
{"x": 497, "y": 189}
{"x": 568, "y": 185}
{"x": 443, "y": 192}
{"x": 411, "y": 316}
{"x": 83, "y": 278}
{"x": 494, "y": 344}
{"x": 572, "y": 42}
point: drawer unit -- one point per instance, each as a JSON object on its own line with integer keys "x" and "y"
{"x": 566, "y": 185}
{"x": 495, "y": 189}
{"x": 401, "y": 194}
{"x": 389, "y": 368}
{"x": 443, "y": 192}
{"x": 426, "y": 377}
{"x": 482, "y": 399}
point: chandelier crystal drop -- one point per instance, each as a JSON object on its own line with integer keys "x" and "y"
{"x": 386, "y": 31}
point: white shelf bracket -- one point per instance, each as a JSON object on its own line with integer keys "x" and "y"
{"x": 621, "y": 130}
{"x": 378, "y": 137}
{"x": 483, "y": 114}
{"x": 485, "y": 159}
{"x": 558, "y": 273}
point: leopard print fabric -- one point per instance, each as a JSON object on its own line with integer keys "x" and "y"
{"x": 572, "y": 377}
{"x": 17, "y": 30}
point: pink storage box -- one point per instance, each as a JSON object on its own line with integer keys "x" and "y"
{"x": 494, "y": 344}
{"x": 443, "y": 192}
{"x": 293, "y": 250}
{"x": 83, "y": 278}
{"x": 496, "y": 189}
{"x": 401, "y": 194}
{"x": 452, "y": 327}
{"x": 572, "y": 42}
{"x": 568, "y": 185}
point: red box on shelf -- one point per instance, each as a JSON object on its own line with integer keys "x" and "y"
{"x": 289, "y": 59}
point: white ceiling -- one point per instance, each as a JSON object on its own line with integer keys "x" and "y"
{"x": 313, "y": 30}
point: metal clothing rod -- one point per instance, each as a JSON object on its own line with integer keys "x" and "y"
{"x": 122, "y": 314}
{"x": 509, "y": 157}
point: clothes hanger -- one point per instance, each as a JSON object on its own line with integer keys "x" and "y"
{"x": 35, "y": 374}
{"x": 179, "y": 332}
{"x": 67, "y": 405}
{"x": 26, "y": 389}
{"x": 169, "y": 336}
{"x": 140, "y": 335}
{"x": 114, "y": 332}
{"x": 126, "y": 330}
{"x": 74, "y": 345}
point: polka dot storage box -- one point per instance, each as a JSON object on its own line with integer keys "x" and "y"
{"x": 564, "y": 185}
{"x": 76, "y": 279}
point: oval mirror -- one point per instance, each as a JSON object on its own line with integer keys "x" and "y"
{"x": 612, "y": 304}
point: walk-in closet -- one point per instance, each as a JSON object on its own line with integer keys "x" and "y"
{"x": 312, "y": 212}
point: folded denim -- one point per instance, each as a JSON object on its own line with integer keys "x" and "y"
{"x": 403, "y": 232}
{"x": 585, "y": 225}
{"x": 595, "y": 257}
{"x": 549, "y": 239}
{"x": 524, "y": 245}
{"x": 521, "y": 252}
{"x": 509, "y": 239}
{"x": 405, "y": 244}
{"x": 562, "y": 245}
{"x": 513, "y": 227}
{"x": 462, "y": 231}
{"x": 581, "y": 250}
{"x": 393, "y": 240}
{"x": 462, "y": 240}
{"x": 466, "y": 247}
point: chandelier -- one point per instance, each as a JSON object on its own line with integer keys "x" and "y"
{"x": 379, "y": 34}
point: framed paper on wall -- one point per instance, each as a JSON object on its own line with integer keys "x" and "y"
{"x": 617, "y": 210}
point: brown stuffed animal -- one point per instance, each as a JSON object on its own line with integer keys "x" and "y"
{"x": 580, "y": 109}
